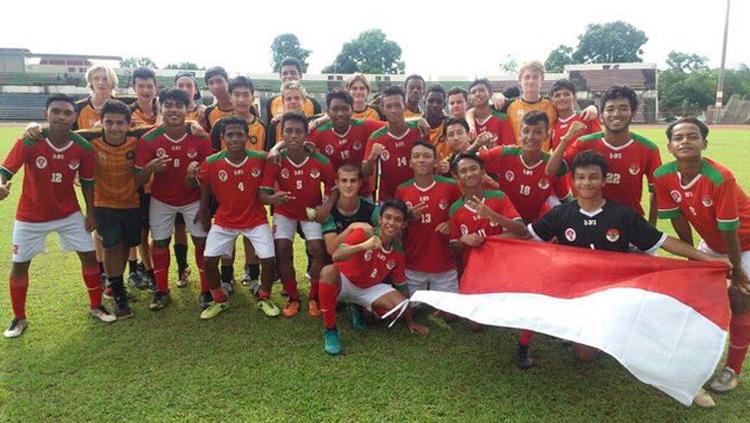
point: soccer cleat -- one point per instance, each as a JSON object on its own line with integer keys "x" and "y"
{"x": 703, "y": 399}
{"x": 291, "y": 309}
{"x": 358, "y": 320}
{"x": 269, "y": 308}
{"x": 102, "y": 314}
{"x": 136, "y": 281}
{"x": 108, "y": 293}
{"x": 16, "y": 328}
{"x": 122, "y": 311}
{"x": 313, "y": 309}
{"x": 182, "y": 279}
{"x": 332, "y": 344}
{"x": 228, "y": 287}
{"x": 160, "y": 301}
{"x": 254, "y": 286}
{"x": 724, "y": 381}
{"x": 213, "y": 310}
{"x": 523, "y": 357}
{"x": 150, "y": 283}
{"x": 205, "y": 300}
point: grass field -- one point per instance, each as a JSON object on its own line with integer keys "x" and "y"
{"x": 170, "y": 366}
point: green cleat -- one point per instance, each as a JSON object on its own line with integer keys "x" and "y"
{"x": 332, "y": 344}
{"x": 269, "y": 308}
{"x": 213, "y": 310}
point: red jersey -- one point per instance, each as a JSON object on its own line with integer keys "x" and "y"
{"x": 527, "y": 185}
{"x": 561, "y": 125}
{"x": 498, "y": 124}
{"x": 369, "y": 268}
{"x": 394, "y": 161}
{"x": 235, "y": 187}
{"x": 169, "y": 186}
{"x": 712, "y": 202}
{"x": 346, "y": 148}
{"x": 628, "y": 165}
{"x": 301, "y": 180}
{"x": 427, "y": 250}
{"x": 48, "y": 191}
{"x": 465, "y": 220}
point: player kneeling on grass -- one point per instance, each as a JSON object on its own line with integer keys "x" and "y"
{"x": 234, "y": 177}
{"x": 360, "y": 265}
{"x": 48, "y": 204}
{"x": 695, "y": 190}
{"x": 299, "y": 175}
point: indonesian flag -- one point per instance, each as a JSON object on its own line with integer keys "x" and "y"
{"x": 665, "y": 320}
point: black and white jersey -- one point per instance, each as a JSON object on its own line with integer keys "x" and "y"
{"x": 612, "y": 228}
{"x": 337, "y": 222}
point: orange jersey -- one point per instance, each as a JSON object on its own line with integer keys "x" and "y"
{"x": 256, "y": 135}
{"x": 519, "y": 107}
{"x": 88, "y": 116}
{"x": 437, "y": 138}
{"x": 139, "y": 118}
{"x": 114, "y": 173}
{"x": 214, "y": 113}
{"x": 275, "y": 106}
{"x": 408, "y": 114}
{"x": 369, "y": 113}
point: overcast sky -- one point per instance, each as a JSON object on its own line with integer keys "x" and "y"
{"x": 455, "y": 40}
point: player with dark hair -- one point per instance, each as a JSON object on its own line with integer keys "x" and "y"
{"x": 414, "y": 86}
{"x": 563, "y": 98}
{"x": 486, "y": 118}
{"x": 696, "y": 191}
{"x": 217, "y": 81}
{"x": 290, "y": 69}
{"x": 458, "y": 102}
{"x": 145, "y": 109}
{"x": 360, "y": 266}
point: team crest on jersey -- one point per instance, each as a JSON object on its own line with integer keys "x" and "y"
{"x": 330, "y": 150}
{"x": 74, "y": 164}
{"x": 130, "y": 155}
{"x": 391, "y": 264}
{"x": 570, "y": 234}
{"x": 543, "y": 183}
{"x": 41, "y": 162}
{"x": 510, "y": 176}
{"x": 223, "y": 175}
{"x": 707, "y": 201}
{"x": 464, "y": 230}
{"x": 315, "y": 173}
{"x": 285, "y": 173}
{"x": 409, "y": 204}
{"x": 676, "y": 196}
{"x": 385, "y": 155}
{"x": 357, "y": 145}
{"x": 443, "y": 204}
{"x": 634, "y": 169}
{"x": 253, "y": 140}
{"x": 255, "y": 172}
{"x": 613, "y": 235}
{"x": 368, "y": 255}
{"x": 192, "y": 153}
{"x": 160, "y": 152}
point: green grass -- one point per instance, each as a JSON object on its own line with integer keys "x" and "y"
{"x": 170, "y": 366}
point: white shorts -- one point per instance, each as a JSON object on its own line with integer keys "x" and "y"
{"x": 285, "y": 228}
{"x": 442, "y": 281}
{"x": 220, "y": 241}
{"x": 161, "y": 219}
{"x": 365, "y": 297}
{"x": 703, "y": 247}
{"x": 29, "y": 238}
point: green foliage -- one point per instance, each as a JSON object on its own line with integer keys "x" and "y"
{"x": 612, "y": 42}
{"x": 137, "y": 62}
{"x": 185, "y": 66}
{"x": 370, "y": 52}
{"x": 558, "y": 58}
{"x": 288, "y": 45}
{"x": 686, "y": 62}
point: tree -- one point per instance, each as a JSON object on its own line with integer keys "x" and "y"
{"x": 558, "y": 58}
{"x": 610, "y": 42}
{"x": 685, "y": 62}
{"x": 370, "y": 52}
{"x": 137, "y": 62}
{"x": 288, "y": 45}
{"x": 509, "y": 64}
{"x": 185, "y": 66}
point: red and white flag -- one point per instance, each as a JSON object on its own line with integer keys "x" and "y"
{"x": 665, "y": 320}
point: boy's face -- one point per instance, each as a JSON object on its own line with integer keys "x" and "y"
{"x": 187, "y": 85}
{"x": 115, "y": 126}
{"x": 563, "y": 100}
{"x": 588, "y": 181}
{"x": 392, "y": 221}
{"x": 532, "y": 136}
{"x": 358, "y": 91}
{"x": 292, "y": 100}
{"x": 687, "y": 142}
{"x": 100, "y": 82}
{"x": 145, "y": 89}
{"x": 479, "y": 95}
{"x": 422, "y": 160}
{"x": 348, "y": 183}
{"x": 289, "y": 73}
{"x": 242, "y": 99}
{"x": 457, "y": 105}
{"x": 616, "y": 115}
{"x": 531, "y": 81}
{"x": 393, "y": 108}
{"x": 469, "y": 173}
{"x": 294, "y": 134}
{"x": 414, "y": 90}
{"x": 60, "y": 115}
{"x": 457, "y": 137}
{"x": 434, "y": 105}
{"x": 235, "y": 137}
{"x": 217, "y": 85}
{"x": 173, "y": 112}
{"x": 340, "y": 113}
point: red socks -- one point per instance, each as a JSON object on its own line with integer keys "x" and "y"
{"x": 291, "y": 289}
{"x": 739, "y": 339}
{"x": 327, "y": 299}
{"x": 91, "y": 277}
{"x": 218, "y": 295}
{"x": 525, "y": 338}
{"x": 160, "y": 256}
{"x": 199, "y": 262}
{"x": 18, "y": 288}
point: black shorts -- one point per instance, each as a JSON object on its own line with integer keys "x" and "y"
{"x": 118, "y": 226}
{"x": 145, "y": 205}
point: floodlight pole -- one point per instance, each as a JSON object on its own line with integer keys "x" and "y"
{"x": 720, "y": 86}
